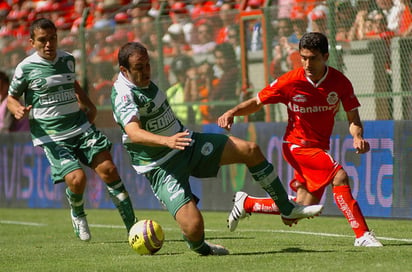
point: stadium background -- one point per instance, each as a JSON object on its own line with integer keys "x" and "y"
{"x": 380, "y": 179}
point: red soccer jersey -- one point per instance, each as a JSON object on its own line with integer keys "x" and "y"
{"x": 311, "y": 107}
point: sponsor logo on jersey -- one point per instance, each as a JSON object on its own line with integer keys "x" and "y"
{"x": 311, "y": 109}
{"x": 162, "y": 121}
{"x": 332, "y": 100}
{"x": 299, "y": 98}
{"x": 56, "y": 98}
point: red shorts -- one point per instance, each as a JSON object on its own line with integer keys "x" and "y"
{"x": 314, "y": 167}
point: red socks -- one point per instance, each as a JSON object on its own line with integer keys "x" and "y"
{"x": 350, "y": 209}
{"x": 260, "y": 205}
{"x": 343, "y": 198}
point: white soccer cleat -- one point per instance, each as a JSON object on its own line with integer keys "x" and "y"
{"x": 238, "y": 211}
{"x": 368, "y": 239}
{"x": 81, "y": 227}
{"x": 299, "y": 212}
{"x": 217, "y": 250}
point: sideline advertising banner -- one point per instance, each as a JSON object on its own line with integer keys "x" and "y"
{"x": 25, "y": 172}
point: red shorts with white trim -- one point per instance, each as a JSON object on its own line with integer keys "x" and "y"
{"x": 314, "y": 167}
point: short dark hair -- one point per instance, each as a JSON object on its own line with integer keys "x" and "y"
{"x": 127, "y": 50}
{"x": 41, "y": 23}
{"x": 314, "y": 41}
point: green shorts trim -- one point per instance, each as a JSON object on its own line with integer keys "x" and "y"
{"x": 65, "y": 156}
{"x": 170, "y": 181}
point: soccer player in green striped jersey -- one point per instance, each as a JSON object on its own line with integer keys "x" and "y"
{"x": 61, "y": 122}
{"x": 167, "y": 153}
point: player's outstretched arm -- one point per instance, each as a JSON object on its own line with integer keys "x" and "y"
{"x": 140, "y": 136}
{"x": 245, "y": 108}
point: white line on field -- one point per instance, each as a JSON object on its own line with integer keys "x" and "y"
{"x": 22, "y": 223}
{"x": 106, "y": 226}
{"x": 325, "y": 234}
{"x": 217, "y": 230}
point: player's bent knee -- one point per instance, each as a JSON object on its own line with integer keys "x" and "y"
{"x": 76, "y": 179}
{"x": 107, "y": 170}
{"x": 341, "y": 178}
{"x": 252, "y": 152}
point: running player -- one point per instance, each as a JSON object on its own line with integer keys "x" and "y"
{"x": 61, "y": 122}
{"x": 167, "y": 153}
{"x": 312, "y": 94}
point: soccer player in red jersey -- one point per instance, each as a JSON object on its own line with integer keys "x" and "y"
{"x": 312, "y": 94}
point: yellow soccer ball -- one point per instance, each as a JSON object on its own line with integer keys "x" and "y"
{"x": 146, "y": 237}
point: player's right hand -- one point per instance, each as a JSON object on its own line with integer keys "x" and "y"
{"x": 226, "y": 120}
{"x": 22, "y": 112}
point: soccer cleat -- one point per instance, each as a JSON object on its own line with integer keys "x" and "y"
{"x": 368, "y": 239}
{"x": 81, "y": 228}
{"x": 217, "y": 250}
{"x": 238, "y": 211}
{"x": 299, "y": 212}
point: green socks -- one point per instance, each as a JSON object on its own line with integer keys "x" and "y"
{"x": 200, "y": 247}
{"x": 264, "y": 173}
{"x": 76, "y": 203}
{"x": 122, "y": 201}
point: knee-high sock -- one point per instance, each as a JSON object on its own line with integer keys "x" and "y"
{"x": 264, "y": 173}
{"x": 122, "y": 201}
{"x": 76, "y": 203}
{"x": 350, "y": 209}
{"x": 200, "y": 246}
{"x": 260, "y": 205}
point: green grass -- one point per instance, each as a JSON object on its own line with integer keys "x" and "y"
{"x": 43, "y": 240}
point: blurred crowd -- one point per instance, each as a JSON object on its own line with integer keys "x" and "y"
{"x": 190, "y": 29}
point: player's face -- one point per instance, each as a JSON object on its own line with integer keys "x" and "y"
{"x": 139, "y": 71}
{"x": 45, "y": 43}
{"x": 314, "y": 63}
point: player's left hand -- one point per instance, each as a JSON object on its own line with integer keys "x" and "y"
{"x": 361, "y": 146}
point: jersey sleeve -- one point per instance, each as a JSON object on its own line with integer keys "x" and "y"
{"x": 273, "y": 93}
{"x": 19, "y": 84}
{"x": 349, "y": 99}
{"x": 124, "y": 109}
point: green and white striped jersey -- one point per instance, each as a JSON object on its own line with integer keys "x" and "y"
{"x": 151, "y": 107}
{"x": 49, "y": 87}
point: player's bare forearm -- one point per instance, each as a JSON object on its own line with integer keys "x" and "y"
{"x": 245, "y": 108}
{"x": 16, "y": 108}
{"x": 140, "y": 136}
{"x": 356, "y": 130}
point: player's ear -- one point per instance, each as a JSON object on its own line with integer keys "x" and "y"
{"x": 123, "y": 70}
{"x": 326, "y": 56}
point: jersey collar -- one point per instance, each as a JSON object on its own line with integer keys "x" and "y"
{"x": 321, "y": 80}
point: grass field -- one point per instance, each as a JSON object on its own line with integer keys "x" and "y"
{"x": 43, "y": 240}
